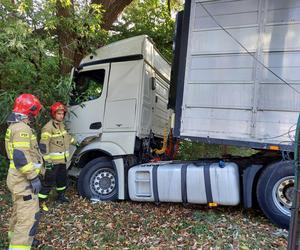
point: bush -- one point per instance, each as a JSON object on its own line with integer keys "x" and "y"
{"x": 189, "y": 150}
{"x": 3, "y": 167}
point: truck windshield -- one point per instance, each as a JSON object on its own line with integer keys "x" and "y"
{"x": 88, "y": 86}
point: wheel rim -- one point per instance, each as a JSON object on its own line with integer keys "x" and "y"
{"x": 282, "y": 194}
{"x": 103, "y": 182}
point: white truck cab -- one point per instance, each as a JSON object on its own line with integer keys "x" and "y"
{"x": 117, "y": 109}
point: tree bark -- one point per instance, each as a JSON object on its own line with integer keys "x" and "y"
{"x": 68, "y": 55}
{"x": 65, "y": 38}
{"x": 112, "y": 10}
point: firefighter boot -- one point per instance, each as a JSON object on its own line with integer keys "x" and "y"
{"x": 44, "y": 206}
{"x": 35, "y": 243}
{"x": 61, "y": 198}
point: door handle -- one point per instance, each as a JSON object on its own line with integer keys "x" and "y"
{"x": 96, "y": 125}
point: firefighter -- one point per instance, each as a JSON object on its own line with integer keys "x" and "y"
{"x": 54, "y": 145}
{"x": 23, "y": 174}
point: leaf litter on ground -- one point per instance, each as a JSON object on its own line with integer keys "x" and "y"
{"x": 82, "y": 224}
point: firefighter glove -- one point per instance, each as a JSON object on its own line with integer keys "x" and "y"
{"x": 36, "y": 185}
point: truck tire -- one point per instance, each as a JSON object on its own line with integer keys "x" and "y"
{"x": 275, "y": 192}
{"x": 98, "y": 180}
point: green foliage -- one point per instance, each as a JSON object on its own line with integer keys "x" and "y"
{"x": 189, "y": 150}
{"x": 29, "y": 48}
{"x": 150, "y": 17}
{"x": 3, "y": 167}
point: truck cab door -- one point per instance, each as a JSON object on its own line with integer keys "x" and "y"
{"x": 87, "y": 104}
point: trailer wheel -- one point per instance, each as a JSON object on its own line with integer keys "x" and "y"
{"x": 98, "y": 180}
{"x": 275, "y": 189}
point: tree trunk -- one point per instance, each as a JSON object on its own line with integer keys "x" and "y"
{"x": 112, "y": 10}
{"x": 68, "y": 55}
{"x": 65, "y": 38}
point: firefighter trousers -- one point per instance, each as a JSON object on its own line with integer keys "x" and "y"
{"x": 25, "y": 214}
{"x": 56, "y": 176}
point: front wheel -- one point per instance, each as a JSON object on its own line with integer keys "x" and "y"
{"x": 98, "y": 180}
{"x": 275, "y": 190}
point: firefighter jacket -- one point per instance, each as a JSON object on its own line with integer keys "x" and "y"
{"x": 23, "y": 152}
{"x": 55, "y": 142}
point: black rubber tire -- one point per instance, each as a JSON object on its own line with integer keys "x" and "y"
{"x": 267, "y": 180}
{"x": 85, "y": 178}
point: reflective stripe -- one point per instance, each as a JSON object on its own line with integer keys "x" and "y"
{"x": 27, "y": 167}
{"x": 11, "y": 247}
{"x": 59, "y": 134}
{"x": 59, "y": 156}
{"x": 42, "y": 196}
{"x": 12, "y": 165}
{"x": 21, "y": 144}
{"x": 59, "y": 153}
{"x": 45, "y": 135}
{"x": 10, "y": 150}
{"x": 7, "y": 134}
{"x": 60, "y": 188}
{"x": 46, "y": 157}
{"x": 72, "y": 140}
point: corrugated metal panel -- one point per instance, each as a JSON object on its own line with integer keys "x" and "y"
{"x": 227, "y": 94}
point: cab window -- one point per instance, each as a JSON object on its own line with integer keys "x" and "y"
{"x": 88, "y": 85}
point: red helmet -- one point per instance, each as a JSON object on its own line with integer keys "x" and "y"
{"x": 27, "y": 104}
{"x": 57, "y": 106}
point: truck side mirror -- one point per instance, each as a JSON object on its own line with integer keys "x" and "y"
{"x": 153, "y": 85}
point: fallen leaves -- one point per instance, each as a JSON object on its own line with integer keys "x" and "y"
{"x": 127, "y": 225}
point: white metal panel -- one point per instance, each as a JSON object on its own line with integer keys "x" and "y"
{"x": 216, "y": 123}
{"x": 125, "y": 47}
{"x": 228, "y": 95}
{"x": 162, "y": 65}
{"x": 287, "y": 100}
{"x": 146, "y": 114}
{"x": 225, "y": 184}
{"x": 121, "y": 115}
{"x": 221, "y": 75}
{"x": 217, "y": 8}
{"x": 123, "y": 140}
{"x": 161, "y": 114}
{"x": 280, "y": 4}
{"x": 284, "y": 64}
{"x": 276, "y": 126}
{"x": 195, "y": 183}
{"x": 282, "y": 37}
{"x": 125, "y": 80}
{"x": 140, "y": 183}
{"x": 230, "y": 14}
{"x": 225, "y": 95}
{"x": 148, "y": 51}
{"x": 224, "y": 61}
{"x": 284, "y": 15}
{"x": 168, "y": 183}
{"x": 233, "y": 20}
{"x": 217, "y": 41}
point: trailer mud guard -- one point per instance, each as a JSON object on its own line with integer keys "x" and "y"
{"x": 249, "y": 175}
